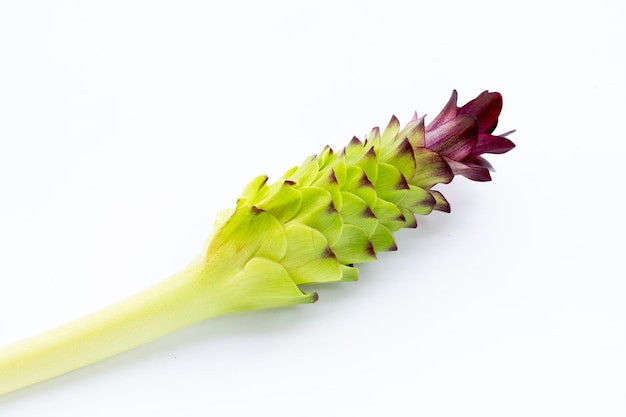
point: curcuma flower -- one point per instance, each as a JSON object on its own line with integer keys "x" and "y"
{"x": 462, "y": 135}
{"x": 313, "y": 225}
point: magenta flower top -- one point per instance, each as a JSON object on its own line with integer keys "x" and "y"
{"x": 462, "y": 134}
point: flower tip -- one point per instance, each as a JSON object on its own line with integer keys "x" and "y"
{"x": 448, "y": 112}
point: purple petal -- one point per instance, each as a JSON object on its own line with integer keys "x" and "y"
{"x": 470, "y": 171}
{"x": 486, "y": 109}
{"x": 454, "y": 139}
{"x": 448, "y": 113}
{"x": 492, "y": 144}
{"x": 478, "y": 161}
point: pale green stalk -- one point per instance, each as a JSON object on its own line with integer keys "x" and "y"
{"x": 210, "y": 286}
{"x": 170, "y": 305}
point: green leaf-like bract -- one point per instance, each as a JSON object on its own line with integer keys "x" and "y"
{"x": 339, "y": 208}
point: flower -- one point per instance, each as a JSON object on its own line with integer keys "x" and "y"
{"x": 462, "y": 134}
{"x": 312, "y": 226}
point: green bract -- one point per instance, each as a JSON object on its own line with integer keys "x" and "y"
{"x": 340, "y": 208}
{"x": 311, "y": 226}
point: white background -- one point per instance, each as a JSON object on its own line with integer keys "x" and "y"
{"x": 126, "y": 126}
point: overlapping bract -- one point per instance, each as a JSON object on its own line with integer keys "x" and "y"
{"x": 338, "y": 209}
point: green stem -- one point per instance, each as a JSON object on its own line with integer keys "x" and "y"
{"x": 238, "y": 271}
{"x": 170, "y": 305}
